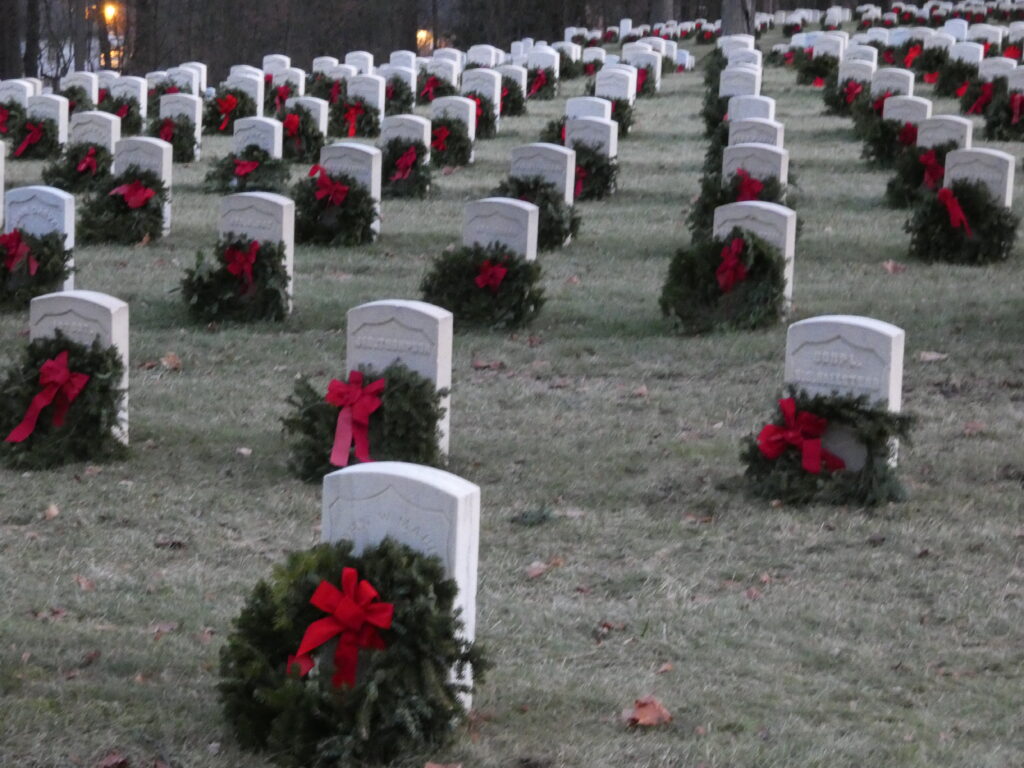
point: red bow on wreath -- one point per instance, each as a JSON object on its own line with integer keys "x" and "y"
{"x": 589, "y": 68}
{"x": 240, "y": 263}
{"x": 172, "y": 89}
{"x": 788, "y": 57}
{"x": 731, "y": 270}
{"x": 750, "y": 188}
{"x": 539, "y": 81}
{"x": 5, "y": 115}
{"x": 135, "y": 194}
{"x": 101, "y": 95}
{"x": 957, "y": 218}
{"x": 352, "y": 113}
{"x": 907, "y": 135}
{"x": 429, "y": 87}
{"x": 59, "y": 387}
{"x": 225, "y": 107}
{"x": 853, "y": 90}
{"x": 562, "y": 129}
{"x": 167, "y": 130}
{"x": 355, "y": 616}
{"x": 334, "y": 191}
{"x": 34, "y": 136}
{"x": 889, "y": 57}
{"x": 933, "y": 170}
{"x": 292, "y": 123}
{"x": 281, "y": 96}
{"x": 581, "y": 177}
{"x": 879, "y": 105}
{"x": 490, "y": 276}
{"x": 335, "y": 92}
{"x": 962, "y": 89}
{"x": 983, "y": 99}
{"x": 479, "y": 109}
{"x": 819, "y": 82}
{"x": 931, "y": 77}
{"x": 803, "y": 432}
{"x": 504, "y": 95}
{"x": 439, "y": 138}
{"x": 356, "y": 403}
{"x": 1016, "y": 104}
{"x": 912, "y": 54}
{"x": 123, "y": 111}
{"x": 16, "y": 251}
{"x": 88, "y": 162}
{"x": 389, "y": 92}
{"x": 404, "y": 165}
{"x": 641, "y": 78}
{"x": 1012, "y": 52}
{"x": 245, "y": 167}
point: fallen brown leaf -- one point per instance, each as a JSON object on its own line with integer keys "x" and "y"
{"x": 666, "y": 667}
{"x": 893, "y": 267}
{"x": 92, "y": 470}
{"x": 876, "y": 541}
{"x": 534, "y": 341}
{"x": 538, "y": 568}
{"x": 206, "y": 636}
{"x": 114, "y": 760}
{"x": 149, "y": 365}
{"x": 160, "y": 628}
{"x": 51, "y": 512}
{"x": 447, "y": 170}
{"x": 572, "y": 280}
{"x": 972, "y": 428}
{"x": 171, "y": 362}
{"x": 640, "y": 391}
{"x": 753, "y": 593}
{"x": 487, "y": 365}
{"x": 647, "y": 712}
{"x": 442, "y": 765}
{"x": 84, "y": 584}
{"x": 931, "y": 357}
{"x": 90, "y": 658}
{"x": 244, "y": 451}
{"x": 169, "y": 543}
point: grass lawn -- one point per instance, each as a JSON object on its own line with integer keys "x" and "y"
{"x": 797, "y": 636}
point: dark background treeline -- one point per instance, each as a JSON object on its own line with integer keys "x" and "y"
{"x": 47, "y": 38}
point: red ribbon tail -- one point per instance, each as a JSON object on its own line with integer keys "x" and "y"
{"x": 342, "y": 438}
{"x": 812, "y": 456}
{"x": 346, "y": 660}
{"x": 28, "y": 423}
{"x": 361, "y": 438}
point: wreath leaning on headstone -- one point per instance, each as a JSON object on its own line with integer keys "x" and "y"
{"x": 1004, "y": 116}
{"x": 251, "y": 170}
{"x": 60, "y": 403}
{"x": 327, "y": 88}
{"x": 333, "y": 210}
{"x": 962, "y": 224}
{"x": 178, "y": 131}
{"x": 557, "y": 222}
{"x": 513, "y": 100}
{"x": 302, "y": 138}
{"x": 918, "y": 172}
{"x": 162, "y": 89}
{"x": 840, "y": 97}
{"x": 567, "y": 68}
{"x": 79, "y": 168}
{"x": 953, "y": 75}
{"x": 486, "y": 120}
{"x": 398, "y": 97}
{"x": 35, "y": 139}
{"x": 31, "y": 265}
{"x": 405, "y": 171}
{"x": 430, "y": 87}
{"x": 541, "y": 83}
{"x": 786, "y": 461}
{"x": 12, "y": 116}
{"x": 485, "y": 285}
{"x": 126, "y": 108}
{"x": 245, "y": 280}
{"x": 977, "y": 98}
{"x": 553, "y": 131}
{"x": 816, "y": 69}
{"x": 622, "y": 113}
{"x": 229, "y": 105}
{"x": 645, "y": 82}
{"x": 400, "y": 419}
{"x": 885, "y": 140}
{"x": 127, "y": 208}
{"x": 78, "y": 99}
{"x": 596, "y": 173}
{"x": 731, "y": 283}
{"x": 449, "y": 143}
{"x": 713, "y": 111}
{"x": 352, "y": 117}
{"x": 382, "y": 692}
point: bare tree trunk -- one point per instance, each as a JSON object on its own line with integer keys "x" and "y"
{"x": 31, "y": 58}
{"x": 10, "y": 40}
{"x": 103, "y": 37}
{"x": 661, "y": 10}
{"x": 79, "y": 34}
{"x": 737, "y": 17}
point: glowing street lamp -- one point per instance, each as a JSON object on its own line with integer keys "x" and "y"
{"x": 110, "y": 11}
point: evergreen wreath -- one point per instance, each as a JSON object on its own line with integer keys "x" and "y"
{"x": 541, "y": 83}
{"x": 245, "y": 280}
{"x": 884, "y": 140}
{"x": 468, "y": 282}
{"x": 178, "y": 131}
{"x": 513, "y": 100}
{"x": 668, "y": 66}
{"x": 352, "y": 117}
{"x": 645, "y": 82}
{"x": 989, "y": 236}
{"x": 449, "y": 142}
{"x": 404, "y": 428}
{"x": 913, "y": 179}
{"x": 398, "y": 97}
{"x": 126, "y": 108}
{"x": 792, "y": 28}
{"x": 704, "y": 292}
{"x": 567, "y": 68}
{"x": 404, "y": 699}
{"x": 557, "y": 222}
{"x": 622, "y": 113}
{"x": 162, "y": 89}
{"x": 839, "y": 97}
{"x": 707, "y": 36}
{"x": 302, "y": 138}
{"x": 430, "y": 87}
{"x": 35, "y": 140}
{"x": 87, "y": 432}
{"x": 553, "y": 131}
{"x": 930, "y": 60}
{"x": 953, "y": 74}
{"x": 229, "y": 105}
{"x": 813, "y": 67}
{"x": 486, "y": 121}
{"x": 713, "y": 194}
{"x": 874, "y": 426}
{"x": 399, "y": 177}
{"x": 976, "y": 98}
{"x": 592, "y": 67}
{"x": 31, "y": 265}
{"x": 596, "y": 174}
{"x": 12, "y": 116}
{"x": 251, "y": 170}
{"x": 107, "y": 216}
{"x": 275, "y": 97}
{"x": 79, "y": 168}
{"x": 713, "y": 65}
{"x": 78, "y": 99}
{"x": 327, "y": 88}
{"x": 325, "y": 220}
{"x": 713, "y": 111}
{"x": 1004, "y": 116}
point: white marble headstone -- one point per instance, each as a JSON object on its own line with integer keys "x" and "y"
{"x": 554, "y": 164}
{"x": 505, "y": 220}
{"x": 148, "y": 154}
{"x": 596, "y": 132}
{"x": 773, "y": 223}
{"x": 361, "y": 162}
{"x": 265, "y": 217}
{"x": 95, "y": 127}
{"x": 991, "y": 167}
{"x": 265, "y": 132}
{"x": 761, "y": 161}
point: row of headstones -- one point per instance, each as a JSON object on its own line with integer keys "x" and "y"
{"x": 952, "y": 32}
